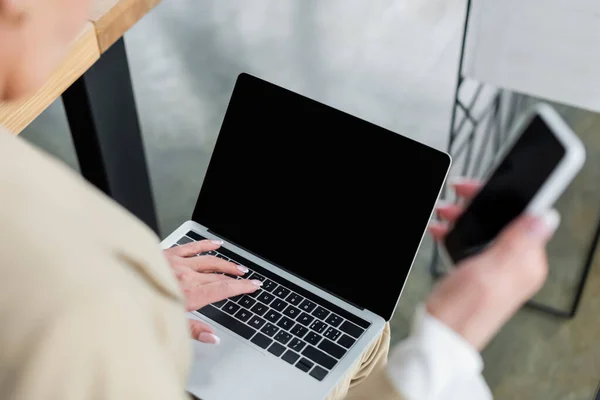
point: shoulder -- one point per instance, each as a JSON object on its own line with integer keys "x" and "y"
{"x": 104, "y": 346}
{"x": 54, "y": 221}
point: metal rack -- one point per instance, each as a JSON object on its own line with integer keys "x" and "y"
{"x": 475, "y": 134}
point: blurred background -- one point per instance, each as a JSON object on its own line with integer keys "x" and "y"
{"x": 394, "y": 63}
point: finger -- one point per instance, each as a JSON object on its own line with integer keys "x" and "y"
{"x": 191, "y": 249}
{"x": 449, "y": 212}
{"x": 202, "y": 278}
{"x": 187, "y": 277}
{"x": 221, "y": 290}
{"x": 438, "y": 230}
{"x": 214, "y": 264}
{"x": 524, "y": 234}
{"x": 203, "y": 333}
{"x": 194, "y": 287}
{"x": 466, "y": 188}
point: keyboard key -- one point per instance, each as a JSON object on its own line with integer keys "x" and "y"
{"x": 295, "y": 299}
{"x": 351, "y": 329}
{"x": 269, "y": 329}
{"x": 290, "y": 357}
{"x": 269, "y": 285}
{"x": 305, "y": 319}
{"x": 313, "y": 338}
{"x": 265, "y": 297}
{"x": 334, "y": 320}
{"x": 175, "y": 245}
{"x": 281, "y": 292}
{"x": 195, "y": 236}
{"x": 304, "y": 364}
{"x": 296, "y": 345}
{"x": 320, "y": 313}
{"x": 261, "y": 340}
{"x": 307, "y": 305}
{"x": 221, "y": 256}
{"x": 273, "y": 316}
{"x": 319, "y": 357}
{"x": 332, "y": 334}
{"x": 211, "y": 253}
{"x": 219, "y": 304}
{"x": 283, "y": 337}
{"x": 227, "y": 321}
{"x": 346, "y": 341}
{"x": 279, "y": 305}
{"x": 292, "y": 312}
{"x": 255, "y": 294}
{"x": 318, "y": 326}
{"x": 259, "y": 309}
{"x": 299, "y": 330}
{"x": 276, "y": 349}
{"x": 243, "y": 314}
{"x": 236, "y": 298}
{"x": 332, "y": 349}
{"x": 231, "y": 308}
{"x": 285, "y": 323}
{"x": 184, "y": 240}
{"x": 247, "y": 302}
{"x": 318, "y": 373}
{"x": 257, "y": 277}
{"x": 256, "y": 322}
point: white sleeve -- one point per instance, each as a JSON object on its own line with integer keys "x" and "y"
{"x": 435, "y": 363}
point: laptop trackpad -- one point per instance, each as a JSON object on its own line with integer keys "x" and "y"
{"x": 237, "y": 370}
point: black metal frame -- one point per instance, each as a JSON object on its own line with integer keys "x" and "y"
{"x": 496, "y": 124}
{"x": 102, "y": 115}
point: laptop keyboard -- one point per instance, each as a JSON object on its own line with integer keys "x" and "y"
{"x": 289, "y": 326}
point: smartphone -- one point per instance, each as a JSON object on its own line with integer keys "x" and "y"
{"x": 540, "y": 161}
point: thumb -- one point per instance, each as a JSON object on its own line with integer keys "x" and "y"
{"x": 527, "y": 232}
{"x": 203, "y": 333}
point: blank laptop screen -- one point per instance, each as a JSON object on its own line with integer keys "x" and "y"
{"x": 324, "y": 195}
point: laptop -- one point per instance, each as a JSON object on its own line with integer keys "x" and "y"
{"x": 328, "y": 211}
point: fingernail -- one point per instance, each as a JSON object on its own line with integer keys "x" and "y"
{"x": 257, "y": 282}
{"x": 209, "y": 338}
{"x": 242, "y": 268}
{"x": 546, "y": 224}
{"x": 457, "y": 180}
{"x": 219, "y": 242}
{"x": 443, "y": 203}
{"x": 438, "y": 224}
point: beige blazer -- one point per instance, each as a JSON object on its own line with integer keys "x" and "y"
{"x": 89, "y": 309}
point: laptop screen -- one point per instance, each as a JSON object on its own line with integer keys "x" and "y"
{"x": 324, "y": 195}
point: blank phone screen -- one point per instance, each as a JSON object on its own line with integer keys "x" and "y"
{"x": 509, "y": 190}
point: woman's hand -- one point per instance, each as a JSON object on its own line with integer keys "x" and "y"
{"x": 479, "y": 296}
{"x": 201, "y": 285}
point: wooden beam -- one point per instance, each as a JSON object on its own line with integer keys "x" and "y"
{"x": 84, "y": 52}
{"x": 112, "y": 18}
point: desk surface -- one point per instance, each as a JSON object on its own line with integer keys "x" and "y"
{"x": 109, "y": 20}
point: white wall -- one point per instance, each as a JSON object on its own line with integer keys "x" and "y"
{"x": 392, "y": 62}
{"x": 545, "y": 48}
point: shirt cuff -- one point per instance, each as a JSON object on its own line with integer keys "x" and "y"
{"x": 436, "y": 363}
